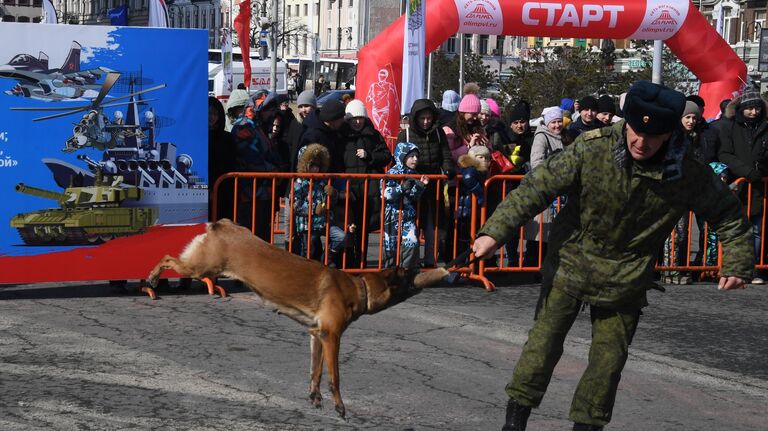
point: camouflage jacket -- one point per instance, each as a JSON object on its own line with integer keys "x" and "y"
{"x": 605, "y": 241}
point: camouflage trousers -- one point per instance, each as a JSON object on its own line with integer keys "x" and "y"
{"x": 612, "y": 332}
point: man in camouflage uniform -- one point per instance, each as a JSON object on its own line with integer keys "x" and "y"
{"x": 627, "y": 186}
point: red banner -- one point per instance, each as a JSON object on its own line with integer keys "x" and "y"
{"x": 243, "y": 29}
{"x": 685, "y": 30}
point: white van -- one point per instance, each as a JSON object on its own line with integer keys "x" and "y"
{"x": 260, "y": 77}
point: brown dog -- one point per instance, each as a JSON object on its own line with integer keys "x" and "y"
{"x": 323, "y": 299}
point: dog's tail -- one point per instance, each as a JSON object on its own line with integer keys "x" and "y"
{"x": 429, "y": 278}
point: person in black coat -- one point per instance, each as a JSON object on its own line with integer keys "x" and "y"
{"x": 221, "y": 160}
{"x": 323, "y": 126}
{"x": 364, "y": 152}
{"x": 744, "y": 138}
{"x": 426, "y": 133}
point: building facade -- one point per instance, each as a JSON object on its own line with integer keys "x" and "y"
{"x": 21, "y": 10}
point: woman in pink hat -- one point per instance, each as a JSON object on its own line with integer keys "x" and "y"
{"x": 466, "y": 132}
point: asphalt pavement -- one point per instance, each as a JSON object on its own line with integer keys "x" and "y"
{"x": 81, "y": 356}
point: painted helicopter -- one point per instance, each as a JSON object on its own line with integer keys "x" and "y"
{"x": 36, "y": 81}
{"x": 95, "y": 129}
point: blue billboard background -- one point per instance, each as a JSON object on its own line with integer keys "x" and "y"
{"x": 33, "y": 152}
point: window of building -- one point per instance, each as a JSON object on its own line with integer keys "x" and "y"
{"x": 484, "y": 44}
{"x": 500, "y": 45}
{"x": 289, "y": 11}
{"x": 450, "y": 45}
{"x": 306, "y": 9}
{"x": 758, "y": 25}
{"x": 351, "y": 2}
{"x": 329, "y": 39}
{"x": 304, "y": 45}
{"x": 330, "y": 5}
{"x": 23, "y": 19}
{"x": 296, "y": 9}
{"x": 467, "y": 43}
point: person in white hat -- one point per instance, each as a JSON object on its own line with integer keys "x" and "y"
{"x": 365, "y": 152}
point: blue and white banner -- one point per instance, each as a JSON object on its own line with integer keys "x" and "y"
{"x": 414, "y": 51}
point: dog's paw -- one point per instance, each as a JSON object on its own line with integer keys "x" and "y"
{"x": 316, "y": 399}
{"x": 153, "y": 280}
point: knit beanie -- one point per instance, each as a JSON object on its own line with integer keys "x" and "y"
{"x": 306, "y": 97}
{"x": 332, "y": 110}
{"x": 470, "y": 103}
{"x": 588, "y": 102}
{"x": 566, "y": 104}
{"x": 750, "y": 98}
{"x": 605, "y": 104}
{"x": 695, "y": 98}
{"x": 691, "y": 108}
{"x": 521, "y": 112}
{"x": 495, "y": 110}
{"x": 484, "y": 108}
{"x": 450, "y": 100}
{"x": 552, "y": 113}
{"x": 355, "y": 108}
{"x": 479, "y": 150}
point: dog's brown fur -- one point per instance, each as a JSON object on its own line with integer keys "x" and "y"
{"x": 324, "y": 299}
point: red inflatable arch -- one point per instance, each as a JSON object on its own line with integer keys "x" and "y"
{"x": 685, "y": 31}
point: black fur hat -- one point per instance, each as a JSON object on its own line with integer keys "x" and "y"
{"x": 653, "y": 108}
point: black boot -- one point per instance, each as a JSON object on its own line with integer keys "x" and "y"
{"x": 586, "y": 427}
{"x": 517, "y": 416}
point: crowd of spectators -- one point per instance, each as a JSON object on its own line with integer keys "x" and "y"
{"x": 464, "y": 134}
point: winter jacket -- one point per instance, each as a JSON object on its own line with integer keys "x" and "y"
{"x": 255, "y": 153}
{"x": 317, "y": 132}
{"x": 545, "y": 144}
{"x": 301, "y": 207}
{"x": 498, "y": 134}
{"x": 221, "y": 160}
{"x": 742, "y": 147}
{"x": 406, "y": 193}
{"x": 605, "y": 242}
{"x": 519, "y": 150}
{"x": 377, "y": 157}
{"x": 578, "y": 127}
{"x": 434, "y": 154}
{"x": 473, "y": 175}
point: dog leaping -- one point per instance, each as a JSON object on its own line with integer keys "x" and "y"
{"x": 323, "y": 299}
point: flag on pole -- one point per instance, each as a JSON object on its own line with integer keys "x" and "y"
{"x": 414, "y": 50}
{"x": 243, "y": 29}
{"x": 49, "y": 13}
{"x": 226, "y": 57}
{"x": 158, "y": 14}
{"x": 119, "y": 15}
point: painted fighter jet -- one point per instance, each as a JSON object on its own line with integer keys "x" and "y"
{"x": 36, "y": 81}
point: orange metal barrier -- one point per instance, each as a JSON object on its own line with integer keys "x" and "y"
{"x": 529, "y": 242}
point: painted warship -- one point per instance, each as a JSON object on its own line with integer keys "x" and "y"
{"x": 130, "y": 149}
